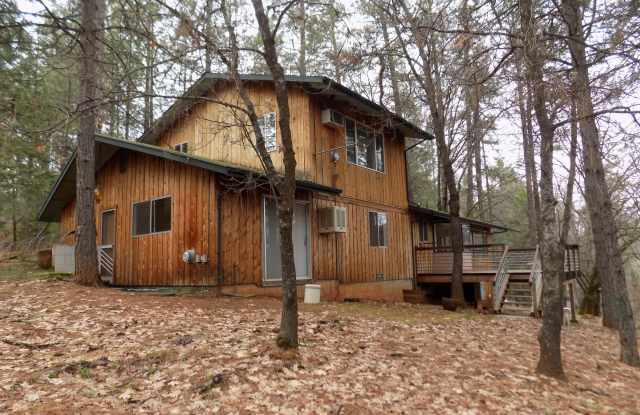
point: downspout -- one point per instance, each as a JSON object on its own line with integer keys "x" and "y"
{"x": 414, "y": 283}
{"x": 219, "y": 239}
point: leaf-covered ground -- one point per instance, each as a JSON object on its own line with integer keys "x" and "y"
{"x": 67, "y": 349}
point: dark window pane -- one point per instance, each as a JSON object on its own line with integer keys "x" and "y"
{"x": 141, "y": 218}
{"x": 183, "y": 147}
{"x": 350, "y": 132}
{"x": 373, "y": 229}
{"x": 443, "y": 235}
{"x": 108, "y": 228}
{"x": 162, "y": 215}
{"x": 424, "y": 232}
{"x": 378, "y": 229}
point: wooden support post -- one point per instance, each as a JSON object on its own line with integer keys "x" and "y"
{"x": 572, "y": 300}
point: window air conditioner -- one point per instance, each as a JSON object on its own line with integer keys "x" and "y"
{"x": 333, "y": 219}
{"x": 332, "y": 118}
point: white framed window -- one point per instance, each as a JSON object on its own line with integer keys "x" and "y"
{"x": 151, "y": 216}
{"x": 378, "y": 229}
{"x": 267, "y": 125}
{"x": 365, "y": 147}
{"x": 182, "y": 147}
{"x": 423, "y": 228}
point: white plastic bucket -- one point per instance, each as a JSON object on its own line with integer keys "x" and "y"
{"x": 312, "y": 294}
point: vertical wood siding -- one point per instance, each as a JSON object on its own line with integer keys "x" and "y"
{"x": 156, "y": 259}
{"x": 214, "y": 131}
{"x": 349, "y": 257}
{"x": 241, "y": 249}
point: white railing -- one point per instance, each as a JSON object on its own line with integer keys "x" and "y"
{"x": 535, "y": 279}
{"x": 105, "y": 261}
{"x": 501, "y": 281}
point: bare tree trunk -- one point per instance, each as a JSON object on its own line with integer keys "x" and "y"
{"x": 487, "y": 194}
{"x": 528, "y": 156}
{"x": 91, "y": 50}
{"x": 288, "y": 336}
{"x": 14, "y": 221}
{"x": 393, "y": 71}
{"x": 567, "y": 212}
{"x": 208, "y": 31}
{"x": 469, "y": 145}
{"x": 302, "y": 55}
{"x": 148, "y": 78}
{"x": 477, "y": 147}
{"x": 617, "y": 310}
{"x": 335, "y": 52}
{"x": 468, "y": 112}
{"x": 550, "y": 362}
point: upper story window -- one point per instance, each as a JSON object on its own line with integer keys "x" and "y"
{"x": 378, "y": 229}
{"x": 152, "y": 216}
{"x": 182, "y": 147}
{"x": 267, "y": 125}
{"x": 364, "y": 146}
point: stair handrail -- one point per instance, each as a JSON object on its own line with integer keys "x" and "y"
{"x": 501, "y": 281}
{"x": 535, "y": 279}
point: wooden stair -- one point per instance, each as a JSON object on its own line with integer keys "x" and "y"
{"x": 518, "y": 299}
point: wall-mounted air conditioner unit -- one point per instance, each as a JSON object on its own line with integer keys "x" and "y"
{"x": 332, "y": 118}
{"x": 333, "y": 219}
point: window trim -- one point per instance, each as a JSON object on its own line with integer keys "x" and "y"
{"x": 374, "y": 132}
{"x": 423, "y": 226}
{"x": 133, "y": 234}
{"x": 115, "y": 220}
{"x": 275, "y": 131}
{"x": 186, "y": 143}
{"x": 386, "y": 234}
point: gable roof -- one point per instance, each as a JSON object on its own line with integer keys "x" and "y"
{"x": 64, "y": 189}
{"x": 317, "y": 85}
{"x": 437, "y": 216}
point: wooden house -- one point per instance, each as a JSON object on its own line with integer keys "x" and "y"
{"x": 186, "y": 204}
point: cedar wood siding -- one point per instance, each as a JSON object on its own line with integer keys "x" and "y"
{"x": 211, "y": 131}
{"x": 156, "y": 259}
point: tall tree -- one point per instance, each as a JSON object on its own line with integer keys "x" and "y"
{"x": 286, "y": 188}
{"x": 426, "y": 72}
{"x": 523, "y": 98}
{"x": 91, "y": 34}
{"x": 550, "y": 361}
{"x": 609, "y": 262}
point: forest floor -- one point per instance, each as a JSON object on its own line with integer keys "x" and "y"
{"x": 67, "y": 349}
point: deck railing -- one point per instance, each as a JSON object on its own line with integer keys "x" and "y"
{"x": 485, "y": 259}
{"x": 475, "y": 258}
{"x": 501, "y": 280}
{"x": 535, "y": 279}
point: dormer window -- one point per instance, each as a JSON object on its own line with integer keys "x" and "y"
{"x": 267, "y": 125}
{"x": 182, "y": 147}
{"x": 365, "y": 147}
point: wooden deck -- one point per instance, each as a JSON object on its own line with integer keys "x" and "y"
{"x": 481, "y": 262}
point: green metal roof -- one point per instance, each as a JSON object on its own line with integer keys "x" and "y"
{"x": 437, "y": 216}
{"x": 64, "y": 189}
